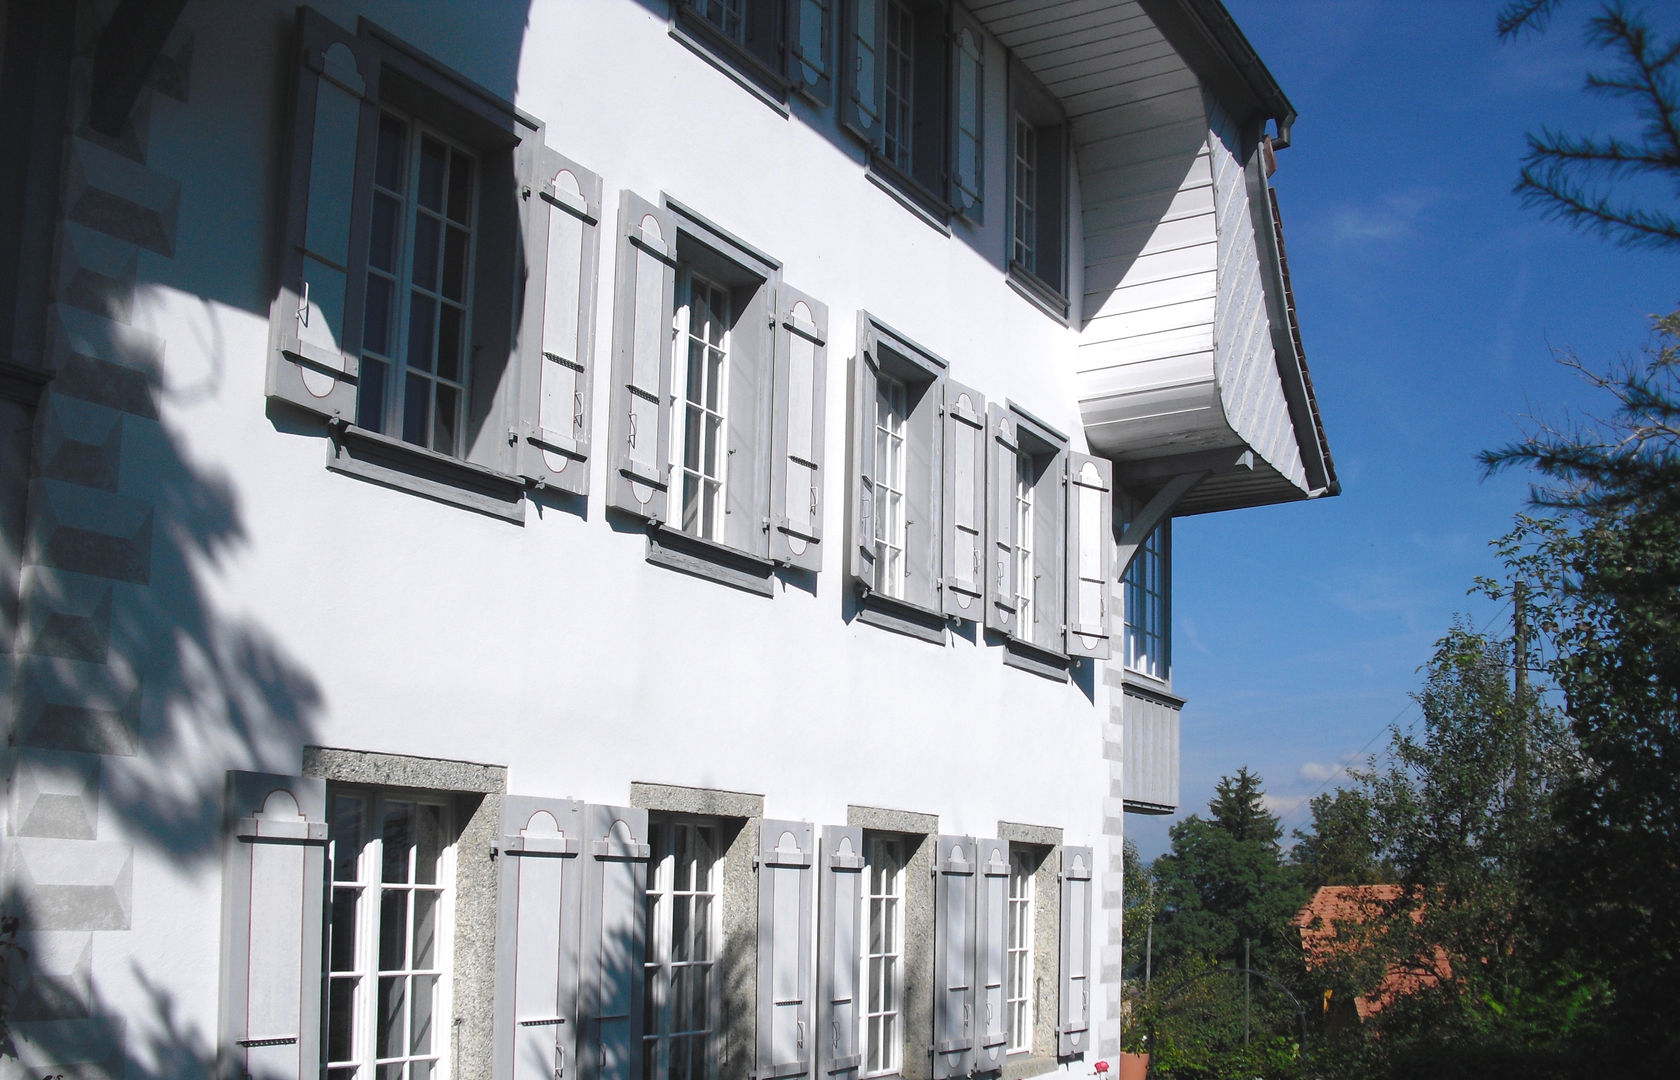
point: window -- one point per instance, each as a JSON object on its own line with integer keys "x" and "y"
{"x": 1148, "y": 615}
{"x": 769, "y": 45}
{"x": 395, "y": 318}
{"x": 1026, "y": 573}
{"x": 723, "y": 432}
{"x": 883, "y": 957}
{"x": 387, "y": 981}
{"x": 1019, "y": 989}
{"x": 892, "y": 412}
{"x": 1038, "y": 191}
{"x": 681, "y": 984}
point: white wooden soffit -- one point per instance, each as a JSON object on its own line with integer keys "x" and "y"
{"x": 1187, "y": 472}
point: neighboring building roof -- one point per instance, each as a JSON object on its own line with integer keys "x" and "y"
{"x": 1345, "y": 905}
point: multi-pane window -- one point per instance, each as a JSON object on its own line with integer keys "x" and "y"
{"x": 1025, "y": 240}
{"x": 387, "y": 978}
{"x": 727, "y": 15}
{"x": 416, "y": 329}
{"x": 892, "y": 412}
{"x": 1146, "y": 635}
{"x": 699, "y": 375}
{"x": 883, "y": 958}
{"x": 680, "y": 990}
{"x": 899, "y": 106}
{"x": 1026, "y": 575}
{"x": 1018, "y": 988}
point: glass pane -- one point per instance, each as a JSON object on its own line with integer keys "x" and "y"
{"x": 370, "y": 414}
{"x": 445, "y": 423}
{"x": 875, "y": 984}
{"x": 393, "y": 929}
{"x": 425, "y": 929}
{"x": 690, "y": 504}
{"x": 699, "y": 980}
{"x": 393, "y": 1071}
{"x": 382, "y": 238}
{"x": 428, "y": 843}
{"x": 460, "y": 188}
{"x": 345, "y": 830}
{"x": 695, "y": 389}
{"x": 889, "y": 984}
{"x": 455, "y": 264}
{"x": 679, "y": 996}
{"x": 650, "y": 1059}
{"x": 420, "y": 350}
{"x": 433, "y": 159}
{"x": 420, "y": 1025}
{"x": 714, "y": 378}
{"x": 714, "y": 433}
{"x": 679, "y": 928}
{"x": 388, "y": 164}
{"x": 341, "y": 1013}
{"x": 650, "y": 999}
{"x": 709, "y": 503}
{"x": 421, "y": 1070}
{"x": 397, "y": 832}
{"x": 889, "y": 925}
{"x": 426, "y": 242}
{"x": 679, "y": 1060}
{"x": 376, "y": 319}
{"x": 693, "y": 422}
{"x": 702, "y": 928}
{"x": 415, "y": 401}
{"x": 343, "y": 930}
{"x": 682, "y": 859}
{"x": 388, "y": 1035}
{"x": 877, "y": 937}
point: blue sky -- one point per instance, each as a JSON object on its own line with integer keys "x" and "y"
{"x": 1430, "y": 303}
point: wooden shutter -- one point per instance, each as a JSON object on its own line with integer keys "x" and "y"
{"x": 991, "y": 953}
{"x": 614, "y": 942}
{"x": 963, "y": 496}
{"x": 1073, "y": 1014}
{"x": 316, "y": 322}
{"x": 839, "y": 957}
{"x": 796, "y": 451}
{"x": 273, "y": 882}
{"x": 1003, "y": 445}
{"x": 810, "y": 29}
{"x": 865, "y": 371}
{"x": 562, "y": 247}
{"x": 786, "y": 867}
{"x": 861, "y": 73}
{"x": 968, "y": 120}
{"x": 955, "y": 886}
{"x": 1090, "y": 551}
{"x": 639, "y": 423}
{"x": 539, "y": 917}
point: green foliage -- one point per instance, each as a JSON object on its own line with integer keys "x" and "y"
{"x": 1192, "y": 1023}
{"x": 1340, "y": 846}
{"x": 1138, "y": 910}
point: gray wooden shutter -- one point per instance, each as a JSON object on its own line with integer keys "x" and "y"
{"x": 991, "y": 952}
{"x": 861, "y": 71}
{"x": 639, "y": 424}
{"x": 810, "y": 30}
{"x": 273, "y": 882}
{"x": 963, "y": 496}
{"x": 955, "y": 886}
{"x": 614, "y": 942}
{"x": 1073, "y": 1014}
{"x": 865, "y": 369}
{"x": 968, "y": 120}
{"x": 316, "y": 321}
{"x": 562, "y": 250}
{"x": 839, "y": 958}
{"x": 1090, "y": 551}
{"x": 786, "y": 867}
{"x": 1003, "y": 444}
{"x": 539, "y": 917}
{"x": 796, "y": 451}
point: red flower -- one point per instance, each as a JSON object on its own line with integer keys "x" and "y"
{"x": 1101, "y": 1067}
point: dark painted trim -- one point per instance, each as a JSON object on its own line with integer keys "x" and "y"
{"x": 128, "y": 46}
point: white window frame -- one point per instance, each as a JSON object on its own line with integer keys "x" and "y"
{"x": 1025, "y": 219}
{"x": 1147, "y": 607}
{"x": 1040, "y": 561}
{"x": 696, "y": 468}
{"x": 898, "y": 128}
{"x": 883, "y": 1055}
{"x": 1037, "y": 246}
{"x": 892, "y": 414}
{"x": 1020, "y": 997}
{"x": 660, "y": 966}
{"x": 1026, "y": 580}
{"x": 367, "y": 891}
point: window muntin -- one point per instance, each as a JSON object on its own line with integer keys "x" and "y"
{"x": 387, "y": 978}
{"x": 1146, "y": 638}
{"x": 1026, "y": 575}
{"x": 681, "y": 989}
{"x": 1026, "y": 195}
{"x": 699, "y": 413}
{"x": 892, "y": 412}
{"x": 1038, "y": 201}
{"x": 416, "y": 329}
{"x": 883, "y": 958}
{"x": 1018, "y": 985}
{"x": 899, "y": 104}
{"x": 728, "y": 16}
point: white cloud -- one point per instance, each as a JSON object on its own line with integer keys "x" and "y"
{"x": 1393, "y": 217}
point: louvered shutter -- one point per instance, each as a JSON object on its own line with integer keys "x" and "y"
{"x": 839, "y": 958}
{"x": 539, "y": 917}
{"x": 273, "y": 881}
{"x": 1003, "y": 446}
{"x": 865, "y": 372}
{"x": 963, "y": 496}
{"x": 786, "y": 869}
{"x": 796, "y": 476}
{"x": 955, "y": 886}
{"x": 860, "y": 70}
{"x": 1090, "y": 550}
{"x": 614, "y": 942}
{"x": 991, "y": 952}
{"x": 968, "y": 120}
{"x": 1073, "y": 1014}
{"x": 316, "y": 323}
{"x": 639, "y": 426}
{"x": 809, "y": 33}
{"x": 562, "y": 247}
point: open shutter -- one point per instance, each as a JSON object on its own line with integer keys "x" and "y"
{"x": 991, "y": 952}
{"x": 316, "y": 322}
{"x": 273, "y": 881}
{"x": 839, "y": 958}
{"x": 964, "y": 501}
{"x": 639, "y": 427}
{"x": 810, "y": 30}
{"x": 786, "y": 867}
{"x": 865, "y": 372}
{"x": 538, "y": 920}
{"x": 562, "y": 250}
{"x": 614, "y": 942}
{"x": 801, "y": 383}
{"x": 1090, "y": 551}
{"x": 955, "y": 885}
{"x": 968, "y": 122}
{"x": 860, "y": 69}
{"x": 1003, "y": 446}
{"x": 1073, "y": 1015}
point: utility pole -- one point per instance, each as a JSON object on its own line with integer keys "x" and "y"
{"x": 1519, "y": 629}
